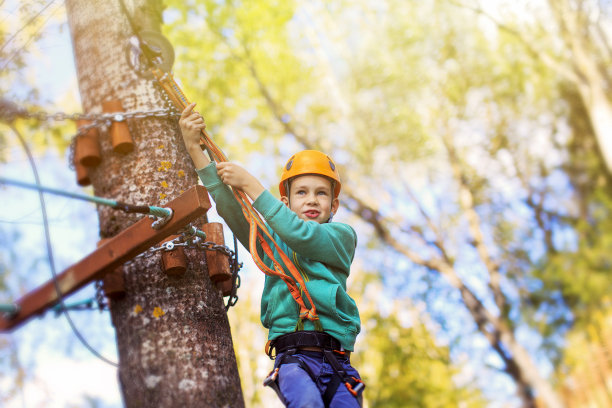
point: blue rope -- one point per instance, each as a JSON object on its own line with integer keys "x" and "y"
{"x": 156, "y": 211}
{"x": 10, "y": 309}
{"x": 159, "y": 212}
{"x": 85, "y": 304}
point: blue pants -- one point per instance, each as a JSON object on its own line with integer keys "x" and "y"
{"x": 299, "y": 390}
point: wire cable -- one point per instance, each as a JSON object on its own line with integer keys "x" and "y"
{"x": 60, "y": 295}
{"x": 128, "y": 208}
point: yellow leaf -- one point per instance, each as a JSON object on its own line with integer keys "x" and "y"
{"x": 158, "y": 312}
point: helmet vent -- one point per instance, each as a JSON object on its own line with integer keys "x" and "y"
{"x": 289, "y": 163}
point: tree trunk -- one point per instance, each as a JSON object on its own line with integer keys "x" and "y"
{"x": 599, "y": 108}
{"x": 174, "y": 341}
{"x": 591, "y": 80}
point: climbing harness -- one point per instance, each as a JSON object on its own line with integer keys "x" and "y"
{"x": 331, "y": 350}
{"x": 152, "y": 55}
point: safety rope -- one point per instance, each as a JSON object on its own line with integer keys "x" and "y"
{"x": 257, "y": 227}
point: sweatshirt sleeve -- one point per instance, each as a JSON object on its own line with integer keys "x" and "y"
{"x": 227, "y": 206}
{"x": 330, "y": 243}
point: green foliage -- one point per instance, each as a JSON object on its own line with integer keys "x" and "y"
{"x": 402, "y": 91}
{"x": 579, "y": 270}
{"x": 418, "y": 98}
{"x": 403, "y": 366}
{"x": 400, "y": 359}
{"x": 21, "y": 26}
{"x": 220, "y": 45}
{"x": 583, "y": 374}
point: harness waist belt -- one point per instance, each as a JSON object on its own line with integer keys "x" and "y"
{"x": 305, "y": 339}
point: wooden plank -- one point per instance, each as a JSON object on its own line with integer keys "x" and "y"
{"x": 124, "y": 246}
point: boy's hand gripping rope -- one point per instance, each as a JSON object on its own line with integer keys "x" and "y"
{"x": 257, "y": 229}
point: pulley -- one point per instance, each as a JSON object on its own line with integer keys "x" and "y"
{"x": 149, "y": 47}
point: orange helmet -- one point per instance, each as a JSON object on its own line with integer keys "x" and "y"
{"x": 309, "y": 162}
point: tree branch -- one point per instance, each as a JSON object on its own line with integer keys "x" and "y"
{"x": 533, "y": 52}
{"x": 466, "y": 201}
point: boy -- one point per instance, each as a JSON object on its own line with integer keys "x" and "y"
{"x": 312, "y": 368}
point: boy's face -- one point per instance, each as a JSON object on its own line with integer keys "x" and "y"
{"x": 311, "y": 198}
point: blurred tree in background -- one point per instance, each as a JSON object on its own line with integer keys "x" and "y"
{"x": 466, "y": 155}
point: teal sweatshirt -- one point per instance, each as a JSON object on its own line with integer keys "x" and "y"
{"x": 321, "y": 252}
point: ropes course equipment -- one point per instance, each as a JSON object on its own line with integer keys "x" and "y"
{"x": 258, "y": 232}
{"x": 160, "y": 212}
{"x": 151, "y": 56}
{"x": 9, "y": 111}
{"x": 9, "y": 309}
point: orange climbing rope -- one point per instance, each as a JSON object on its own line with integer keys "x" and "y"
{"x": 257, "y": 228}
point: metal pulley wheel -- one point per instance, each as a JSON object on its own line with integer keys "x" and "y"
{"x": 152, "y": 48}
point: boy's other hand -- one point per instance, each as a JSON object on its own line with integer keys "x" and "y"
{"x": 236, "y": 176}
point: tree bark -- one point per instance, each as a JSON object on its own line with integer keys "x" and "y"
{"x": 174, "y": 341}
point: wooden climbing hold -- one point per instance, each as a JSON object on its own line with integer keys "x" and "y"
{"x": 113, "y": 283}
{"x": 82, "y": 174}
{"x": 217, "y": 262}
{"x": 119, "y": 131}
{"x": 225, "y": 287}
{"x": 87, "y": 147}
{"x": 174, "y": 260}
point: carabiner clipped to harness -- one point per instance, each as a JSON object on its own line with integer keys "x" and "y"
{"x": 355, "y": 386}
